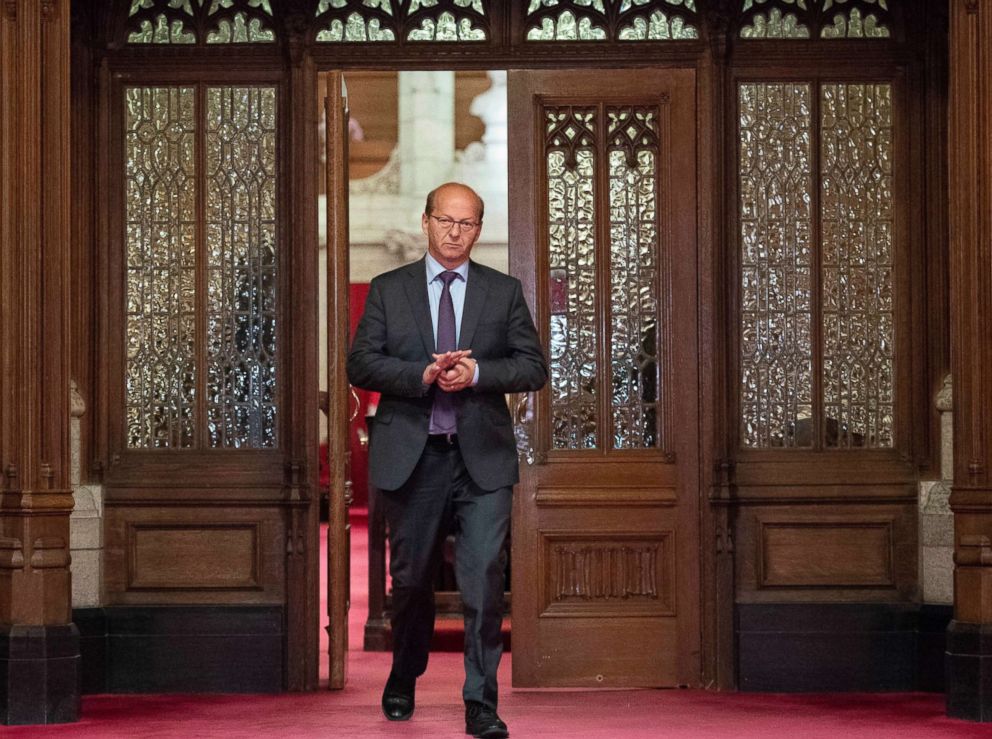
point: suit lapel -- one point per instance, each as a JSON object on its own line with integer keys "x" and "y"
{"x": 416, "y": 293}
{"x": 475, "y": 299}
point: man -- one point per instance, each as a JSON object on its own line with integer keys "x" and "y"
{"x": 443, "y": 339}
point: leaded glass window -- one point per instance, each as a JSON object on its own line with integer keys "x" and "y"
{"x": 850, "y": 257}
{"x": 241, "y": 266}
{"x": 857, "y": 263}
{"x": 803, "y": 19}
{"x": 368, "y": 21}
{"x": 200, "y": 21}
{"x": 160, "y": 258}
{"x": 200, "y": 285}
{"x": 634, "y": 310}
{"x": 611, "y": 20}
{"x": 776, "y": 261}
{"x": 571, "y": 167}
{"x": 619, "y": 239}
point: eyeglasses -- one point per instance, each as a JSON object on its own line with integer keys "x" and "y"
{"x": 448, "y": 223}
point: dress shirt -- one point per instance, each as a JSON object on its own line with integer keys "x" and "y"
{"x": 457, "y": 289}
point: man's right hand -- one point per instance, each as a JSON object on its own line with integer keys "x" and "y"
{"x": 443, "y": 362}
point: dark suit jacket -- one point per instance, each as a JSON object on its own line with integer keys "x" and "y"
{"x": 393, "y": 345}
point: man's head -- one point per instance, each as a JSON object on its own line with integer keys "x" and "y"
{"x": 452, "y": 222}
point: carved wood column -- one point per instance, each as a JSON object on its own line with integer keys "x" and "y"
{"x": 39, "y": 646}
{"x": 969, "y": 642}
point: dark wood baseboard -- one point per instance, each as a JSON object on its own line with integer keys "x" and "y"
{"x": 809, "y": 647}
{"x": 189, "y": 649}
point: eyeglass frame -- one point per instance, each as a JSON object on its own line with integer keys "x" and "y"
{"x": 462, "y": 224}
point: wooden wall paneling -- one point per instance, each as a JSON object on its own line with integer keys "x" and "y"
{"x": 195, "y": 555}
{"x": 970, "y": 218}
{"x": 838, "y": 552}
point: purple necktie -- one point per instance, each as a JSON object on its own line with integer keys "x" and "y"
{"x": 443, "y": 412}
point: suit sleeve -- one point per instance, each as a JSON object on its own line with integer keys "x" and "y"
{"x": 369, "y": 366}
{"x": 523, "y": 368}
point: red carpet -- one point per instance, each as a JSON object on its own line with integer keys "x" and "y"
{"x": 354, "y": 712}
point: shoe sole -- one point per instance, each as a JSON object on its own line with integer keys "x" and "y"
{"x": 488, "y": 734}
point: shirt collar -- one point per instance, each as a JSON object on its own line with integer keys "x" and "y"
{"x": 434, "y": 268}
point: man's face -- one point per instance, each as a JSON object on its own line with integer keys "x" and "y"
{"x": 451, "y": 243}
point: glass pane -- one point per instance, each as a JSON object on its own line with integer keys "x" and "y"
{"x": 856, "y": 204}
{"x": 634, "y": 339}
{"x": 242, "y": 28}
{"x": 854, "y": 25}
{"x": 775, "y": 185}
{"x": 775, "y": 23}
{"x": 446, "y": 28}
{"x": 657, "y": 27}
{"x": 571, "y": 162}
{"x": 160, "y": 249}
{"x": 241, "y": 266}
{"x": 356, "y": 27}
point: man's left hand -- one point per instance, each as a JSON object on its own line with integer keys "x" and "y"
{"x": 458, "y": 377}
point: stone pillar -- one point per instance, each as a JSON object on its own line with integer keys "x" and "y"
{"x": 39, "y": 645}
{"x": 936, "y": 519}
{"x": 86, "y": 521}
{"x": 969, "y": 638}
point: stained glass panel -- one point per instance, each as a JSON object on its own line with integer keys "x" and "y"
{"x": 241, "y": 29}
{"x": 634, "y": 338}
{"x": 161, "y": 29}
{"x": 241, "y": 266}
{"x": 356, "y": 29}
{"x": 776, "y": 390}
{"x": 657, "y": 27}
{"x": 571, "y": 162}
{"x": 446, "y": 28}
{"x": 857, "y": 264}
{"x": 775, "y": 24}
{"x": 160, "y": 249}
{"x": 567, "y": 27}
{"x": 854, "y": 25}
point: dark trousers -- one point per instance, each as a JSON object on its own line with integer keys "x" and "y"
{"x": 419, "y": 515}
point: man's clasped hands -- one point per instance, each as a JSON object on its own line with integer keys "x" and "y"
{"x": 452, "y": 371}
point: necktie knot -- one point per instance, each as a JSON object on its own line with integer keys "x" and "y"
{"x": 447, "y": 277}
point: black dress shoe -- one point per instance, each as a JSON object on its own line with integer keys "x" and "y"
{"x": 481, "y": 721}
{"x": 397, "y": 699}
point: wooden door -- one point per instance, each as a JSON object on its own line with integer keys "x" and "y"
{"x": 603, "y": 236}
{"x": 342, "y": 405}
